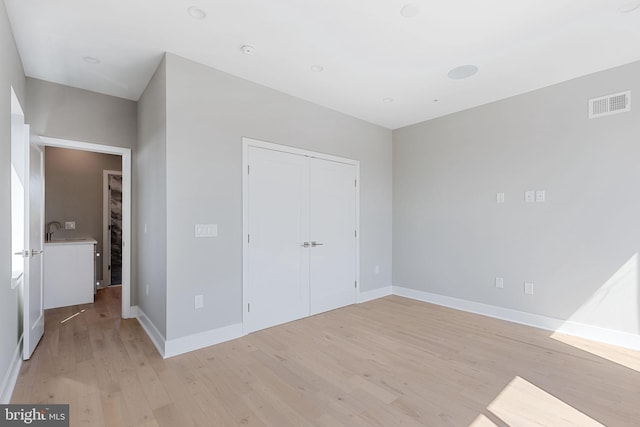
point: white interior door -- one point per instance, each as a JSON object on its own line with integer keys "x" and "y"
{"x": 278, "y": 261}
{"x": 33, "y": 272}
{"x": 333, "y": 239}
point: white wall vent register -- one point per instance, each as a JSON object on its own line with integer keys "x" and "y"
{"x": 610, "y": 104}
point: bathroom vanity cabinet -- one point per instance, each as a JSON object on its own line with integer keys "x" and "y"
{"x": 69, "y": 272}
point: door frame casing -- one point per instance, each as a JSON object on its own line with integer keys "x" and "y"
{"x": 250, "y": 142}
{"x": 106, "y": 221}
{"x": 125, "y": 153}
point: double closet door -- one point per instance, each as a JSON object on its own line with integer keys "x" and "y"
{"x": 301, "y": 237}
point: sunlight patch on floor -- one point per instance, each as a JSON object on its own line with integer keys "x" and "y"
{"x": 482, "y": 421}
{"x": 523, "y": 404}
{"x": 621, "y": 356}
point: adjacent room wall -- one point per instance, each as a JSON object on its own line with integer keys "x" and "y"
{"x": 11, "y": 75}
{"x": 579, "y": 248}
{"x": 74, "y": 190}
{"x": 208, "y": 113}
{"x": 150, "y": 205}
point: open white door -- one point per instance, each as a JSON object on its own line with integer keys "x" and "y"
{"x": 34, "y": 228}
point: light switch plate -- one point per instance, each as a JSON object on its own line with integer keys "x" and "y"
{"x": 529, "y": 196}
{"x": 206, "y": 230}
{"x": 199, "y": 301}
{"x": 540, "y": 196}
{"x": 70, "y": 225}
{"x": 499, "y": 282}
{"x": 499, "y": 197}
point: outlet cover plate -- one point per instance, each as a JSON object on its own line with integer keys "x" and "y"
{"x": 528, "y": 288}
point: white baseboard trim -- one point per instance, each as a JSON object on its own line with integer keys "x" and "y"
{"x": 374, "y": 294}
{"x": 11, "y": 376}
{"x": 154, "y": 334}
{"x": 200, "y": 340}
{"x": 582, "y": 330}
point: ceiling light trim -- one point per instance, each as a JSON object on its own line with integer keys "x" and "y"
{"x": 409, "y": 10}
{"x": 91, "y": 60}
{"x": 196, "y": 13}
{"x": 462, "y": 72}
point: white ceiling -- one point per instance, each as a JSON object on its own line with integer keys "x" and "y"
{"x": 368, "y": 50}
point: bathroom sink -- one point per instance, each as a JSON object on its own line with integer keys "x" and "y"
{"x": 70, "y": 240}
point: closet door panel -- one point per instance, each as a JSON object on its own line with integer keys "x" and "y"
{"x": 332, "y": 227}
{"x": 278, "y": 219}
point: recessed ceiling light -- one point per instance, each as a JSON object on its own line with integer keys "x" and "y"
{"x": 387, "y": 100}
{"x": 317, "y": 68}
{"x": 629, "y": 7}
{"x": 196, "y": 12}
{"x": 462, "y": 72}
{"x": 409, "y": 10}
{"x": 91, "y": 60}
{"x": 436, "y": 100}
{"x": 248, "y": 49}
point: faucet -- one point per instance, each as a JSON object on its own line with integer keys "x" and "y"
{"x": 51, "y": 224}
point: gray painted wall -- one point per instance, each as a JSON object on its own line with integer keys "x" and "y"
{"x": 74, "y": 190}
{"x": 579, "y": 248}
{"x": 11, "y": 74}
{"x": 208, "y": 113}
{"x": 69, "y": 113}
{"x": 151, "y": 202}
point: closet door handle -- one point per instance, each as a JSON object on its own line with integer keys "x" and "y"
{"x": 305, "y": 245}
{"x": 314, "y": 244}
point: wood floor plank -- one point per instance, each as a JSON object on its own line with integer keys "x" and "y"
{"x": 388, "y": 362}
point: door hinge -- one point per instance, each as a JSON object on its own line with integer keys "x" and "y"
{"x": 249, "y": 308}
{"x": 355, "y": 182}
{"x": 248, "y": 169}
{"x": 108, "y": 267}
{"x": 109, "y": 187}
{"x": 355, "y": 284}
{"x": 248, "y": 238}
{"x": 355, "y": 233}
{"x": 108, "y": 227}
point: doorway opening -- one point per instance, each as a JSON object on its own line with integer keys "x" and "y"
{"x": 124, "y": 155}
{"x": 112, "y": 228}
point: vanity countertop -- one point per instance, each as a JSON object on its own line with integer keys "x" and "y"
{"x": 72, "y": 241}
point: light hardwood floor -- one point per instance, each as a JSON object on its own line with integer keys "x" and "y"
{"x": 388, "y": 362}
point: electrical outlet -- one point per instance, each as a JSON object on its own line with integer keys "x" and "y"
{"x": 499, "y": 198}
{"x": 540, "y": 196}
{"x": 377, "y": 269}
{"x": 70, "y": 225}
{"x": 499, "y": 282}
{"x": 528, "y": 288}
{"x": 147, "y": 289}
{"x": 199, "y": 301}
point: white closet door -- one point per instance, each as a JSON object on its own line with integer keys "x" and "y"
{"x": 332, "y": 226}
{"x": 278, "y": 225}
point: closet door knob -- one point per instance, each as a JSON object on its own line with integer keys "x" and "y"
{"x": 314, "y": 244}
